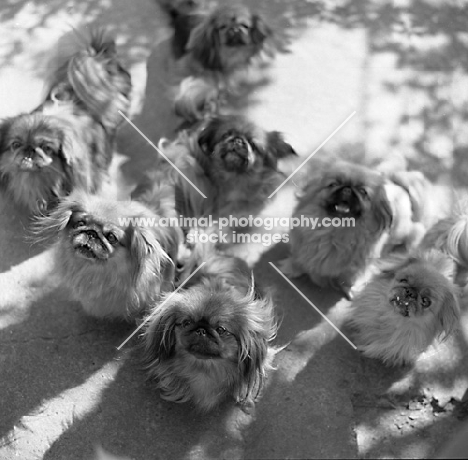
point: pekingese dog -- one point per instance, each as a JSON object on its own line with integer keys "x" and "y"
{"x": 336, "y": 255}
{"x": 44, "y": 157}
{"x": 114, "y": 255}
{"x": 68, "y": 141}
{"x": 225, "y": 39}
{"x": 405, "y": 307}
{"x": 231, "y": 161}
{"x": 361, "y": 213}
{"x": 209, "y": 342}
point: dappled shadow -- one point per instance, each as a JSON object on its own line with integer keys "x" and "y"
{"x": 427, "y": 47}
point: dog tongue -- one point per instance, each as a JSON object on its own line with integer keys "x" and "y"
{"x": 342, "y": 207}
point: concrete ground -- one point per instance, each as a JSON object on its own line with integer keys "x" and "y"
{"x": 65, "y": 388}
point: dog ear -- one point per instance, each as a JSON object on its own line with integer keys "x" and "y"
{"x": 159, "y": 337}
{"x": 381, "y": 209}
{"x": 204, "y": 45}
{"x": 259, "y": 30}
{"x": 4, "y": 129}
{"x": 145, "y": 249}
{"x": 449, "y": 313}
{"x": 253, "y": 344}
{"x": 208, "y": 136}
{"x": 46, "y": 227}
{"x": 276, "y": 148}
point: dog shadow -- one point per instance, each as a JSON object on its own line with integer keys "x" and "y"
{"x": 132, "y": 420}
{"x": 48, "y": 349}
{"x": 15, "y": 224}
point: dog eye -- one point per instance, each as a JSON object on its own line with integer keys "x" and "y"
{"x": 186, "y": 323}
{"x": 333, "y": 184}
{"x": 111, "y": 238}
{"x": 48, "y": 150}
{"x": 221, "y": 330}
{"x": 80, "y": 223}
{"x": 426, "y": 302}
{"x": 15, "y": 145}
{"x": 363, "y": 191}
{"x": 403, "y": 280}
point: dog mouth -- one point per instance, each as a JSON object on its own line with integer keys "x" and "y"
{"x": 27, "y": 164}
{"x": 30, "y": 164}
{"x": 237, "y": 154}
{"x": 200, "y": 352}
{"x": 86, "y": 252}
{"x": 87, "y": 245}
{"x": 342, "y": 208}
{"x": 344, "y": 202}
{"x": 235, "y": 37}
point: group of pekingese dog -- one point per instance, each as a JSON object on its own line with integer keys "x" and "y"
{"x": 208, "y": 326}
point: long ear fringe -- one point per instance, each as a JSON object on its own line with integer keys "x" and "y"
{"x": 204, "y": 46}
{"x": 46, "y": 227}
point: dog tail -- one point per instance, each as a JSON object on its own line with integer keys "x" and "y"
{"x": 196, "y": 100}
{"x": 99, "y": 81}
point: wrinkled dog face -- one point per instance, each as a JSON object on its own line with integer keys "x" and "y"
{"x": 410, "y": 297}
{"x": 234, "y": 28}
{"x": 95, "y": 239}
{"x": 205, "y": 331}
{"x": 346, "y": 196}
{"x": 30, "y": 144}
{"x": 235, "y": 150}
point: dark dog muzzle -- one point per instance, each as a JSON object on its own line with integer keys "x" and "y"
{"x": 405, "y": 300}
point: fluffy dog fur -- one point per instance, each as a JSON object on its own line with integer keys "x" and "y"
{"x": 216, "y": 46}
{"x": 94, "y": 82}
{"x": 231, "y": 161}
{"x": 68, "y": 141}
{"x": 336, "y": 256}
{"x": 43, "y": 158}
{"x": 387, "y": 215}
{"x": 411, "y": 302}
{"x": 114, "y": 268}
{"x": 209, "y": 342}
{"x": 450, "y": 235}
{"x": 226, "y": 39}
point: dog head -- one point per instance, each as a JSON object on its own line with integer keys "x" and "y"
{"x": 212, "y": 324}
{"x": 235, "y": 145}
{"x": 422, "y": 289}
{"x": 32, "y": 143}
{"x": 108, "y": 234}
{"x": 228, "y": 38}
{"x": 343, "y": 189}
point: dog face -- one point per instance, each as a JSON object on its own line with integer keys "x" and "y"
{"x": 421, "y": 289}
{"x": 347, "y": 190}
{"x": 237, "y": 146}
{"x": 30, "y": 144}
{"x": 37, "y": 153}
{"x": 208, "y": 342}
{"x": 228, "y": 38}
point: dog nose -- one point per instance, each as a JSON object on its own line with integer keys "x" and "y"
{"x": 201, "y": 331}
{"x": 346, "y": 191}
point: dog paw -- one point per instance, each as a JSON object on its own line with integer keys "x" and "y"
{"x": 289, "y": 268}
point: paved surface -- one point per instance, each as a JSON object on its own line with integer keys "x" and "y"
{"x": 65, "y": 388}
